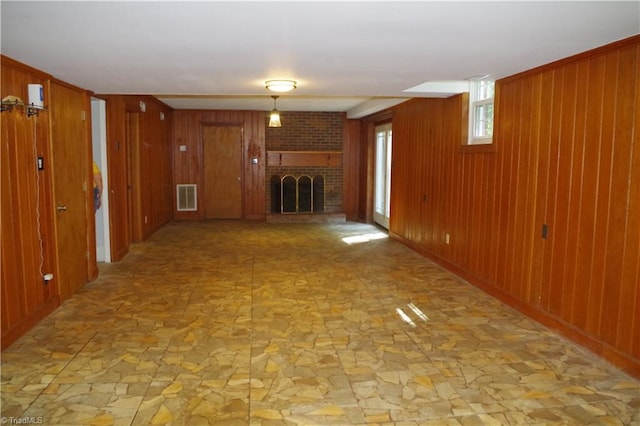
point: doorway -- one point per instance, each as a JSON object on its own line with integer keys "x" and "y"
{"x": 382, "y": 178}
{"x": 222, "y": 147}
{"x": 99, "y": 145}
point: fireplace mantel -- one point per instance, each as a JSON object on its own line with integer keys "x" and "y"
{"x": 305, "y": 158}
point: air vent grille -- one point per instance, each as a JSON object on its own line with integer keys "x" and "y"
{"x": 187, "y": 196}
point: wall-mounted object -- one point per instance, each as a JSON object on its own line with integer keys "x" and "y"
{"x": 35, "y": 105}
{"x": 10, "y": 102}
{"x": 36, "y": 95}
{"x": 143, "y": 107}
{"x": 187, "y": 197}
{"x": 304, "y": 158}
{"x": 36, "y": 99}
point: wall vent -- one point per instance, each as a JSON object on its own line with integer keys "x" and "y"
{"x": 187, "y": 196}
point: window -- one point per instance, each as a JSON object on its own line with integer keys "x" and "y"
{"x": 481, "y": 112}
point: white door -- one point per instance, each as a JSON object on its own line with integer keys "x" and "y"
{"x": 382, "y": 190}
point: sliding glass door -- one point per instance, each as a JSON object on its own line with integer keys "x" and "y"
{"x": 382, "y": 190}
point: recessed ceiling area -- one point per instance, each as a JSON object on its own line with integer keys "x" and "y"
{"x": 345, "y": 56}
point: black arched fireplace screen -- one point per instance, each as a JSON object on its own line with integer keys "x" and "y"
{"x": 302, "y": 194}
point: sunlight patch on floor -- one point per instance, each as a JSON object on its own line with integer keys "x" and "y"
{"x": 364, "y": 238}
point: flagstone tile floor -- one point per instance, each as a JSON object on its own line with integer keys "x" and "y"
{"x": 234, "y": 323}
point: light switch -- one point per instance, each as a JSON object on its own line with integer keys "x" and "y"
{"x": 183, "y": 148}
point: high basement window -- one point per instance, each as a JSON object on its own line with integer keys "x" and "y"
{"x": 481, "y": 93}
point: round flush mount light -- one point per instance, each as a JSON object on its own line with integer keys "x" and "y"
{"x": 280, "y": 85}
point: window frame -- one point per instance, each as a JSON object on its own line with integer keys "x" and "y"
{"x": 474, "y": 103}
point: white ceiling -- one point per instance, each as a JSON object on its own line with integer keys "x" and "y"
{"x": 357, "y": 57}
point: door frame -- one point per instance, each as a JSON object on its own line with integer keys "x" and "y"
{"x": 99, "y": 144}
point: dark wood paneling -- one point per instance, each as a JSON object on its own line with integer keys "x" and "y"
{"x": 187, "y": 165}
{"x": 566, "y": 156}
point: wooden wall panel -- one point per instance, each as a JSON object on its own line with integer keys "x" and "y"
{"x": 351, "y": 169}
{"x": 28, "y": 249}
{"x": 366, "y": 174}
{"x": 187, "y": 165}
{"x": 625, "y": 309}
{"x": 152, "y": 195}
{"x": 565, "y": 156}
{"x": 140, "y": 169}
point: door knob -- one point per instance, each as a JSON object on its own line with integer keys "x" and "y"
{"x": 61, "y": 208}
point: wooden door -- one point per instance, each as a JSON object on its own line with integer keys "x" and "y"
{"x": 222, "y": 172}
{"x": 71, "y": 171}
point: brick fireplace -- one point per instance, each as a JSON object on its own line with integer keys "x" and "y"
{"x": 307, "y": 144}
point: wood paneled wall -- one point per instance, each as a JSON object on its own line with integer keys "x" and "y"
{"x": 351, "y": 163}
{"x": 29, "y": 241}
{"x": 567, "y": 155}
{"x": 153, "y": 171}
{"x": 140, "y": 169}
{"x": 27, "y": 206}
{"x": 187, "y": 165}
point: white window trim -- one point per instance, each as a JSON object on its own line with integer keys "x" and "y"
{"x": 473, "y": 103}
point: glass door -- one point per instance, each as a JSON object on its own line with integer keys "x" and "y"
{"x": 382, "y": 191}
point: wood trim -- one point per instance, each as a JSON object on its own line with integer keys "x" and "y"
{"x": 630, "y": 41}
{"x": 17, "y": 330}
{"x": 621, "y": 359}
{"x": 381, "y": 117}
{"x": 72, "y": 87}
{"x": 22, "y": 67}
{"x": 471, "y": 149}
{"x": 304, "y": 158}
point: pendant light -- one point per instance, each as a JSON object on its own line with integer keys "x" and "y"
{"x": 274, "y": 117}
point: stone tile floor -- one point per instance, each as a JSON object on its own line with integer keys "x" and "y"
{"x": 233, "y": 323}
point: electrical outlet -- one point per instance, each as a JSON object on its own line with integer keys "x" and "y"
{"x": 446, "y": 238}
{"x": 545, "y": 231}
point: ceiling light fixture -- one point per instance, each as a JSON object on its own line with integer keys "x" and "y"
{"x": 280, "y": 85}
{"x": 274, "y": 116}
